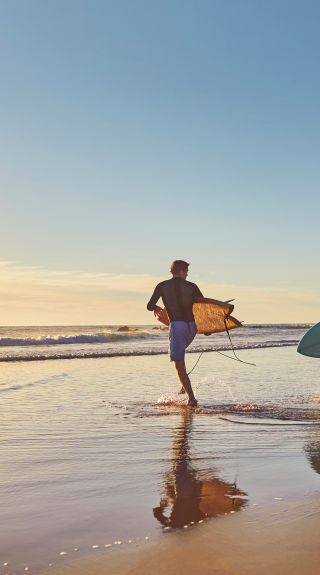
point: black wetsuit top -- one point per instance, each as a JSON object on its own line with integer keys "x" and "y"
{"x": 178, "y": 296}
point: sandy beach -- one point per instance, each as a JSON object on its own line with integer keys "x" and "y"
{"x": 104, "y": 469}
{"x": 281, "y": 539}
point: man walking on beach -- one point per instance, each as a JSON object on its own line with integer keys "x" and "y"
{"x": 178, "y": 296}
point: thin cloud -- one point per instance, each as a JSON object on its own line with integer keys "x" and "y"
{"x": 32, "y": 295}
{"x": 131, "y": 283}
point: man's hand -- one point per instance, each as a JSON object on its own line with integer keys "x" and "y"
{"x": 158, "y": 311}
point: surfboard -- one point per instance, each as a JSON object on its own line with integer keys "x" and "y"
{"x": 211, "y": 316}
{"x": 310, "y": 343}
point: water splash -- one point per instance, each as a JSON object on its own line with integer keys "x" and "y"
{"x": 216, "y": 382}
{"x": 173, "y": 399}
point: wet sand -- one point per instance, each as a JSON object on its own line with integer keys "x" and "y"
{"x": 282, "y": 540}
{"x": 92, "y": 453}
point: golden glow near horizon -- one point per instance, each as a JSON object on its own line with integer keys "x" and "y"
{"x": 36, "y": 296}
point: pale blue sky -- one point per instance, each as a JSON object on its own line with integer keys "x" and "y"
{"x": 135, "y": 132}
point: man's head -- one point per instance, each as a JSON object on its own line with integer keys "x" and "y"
{"x": 179, "y": 268}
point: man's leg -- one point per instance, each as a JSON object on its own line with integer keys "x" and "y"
{"x": 191, "y": 336}
{"x": 185, "y": 381}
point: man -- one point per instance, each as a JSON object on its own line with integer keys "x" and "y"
{"x": 178, "y": 296}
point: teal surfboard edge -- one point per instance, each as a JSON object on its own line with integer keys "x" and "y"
{"x": 310, "y": 343}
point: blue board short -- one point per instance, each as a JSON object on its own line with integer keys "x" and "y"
{"x": 181, "y": 334}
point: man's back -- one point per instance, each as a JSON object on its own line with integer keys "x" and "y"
{"x": 178, "y": 296}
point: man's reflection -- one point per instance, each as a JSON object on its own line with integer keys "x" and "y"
{"x": 188, "y": 498}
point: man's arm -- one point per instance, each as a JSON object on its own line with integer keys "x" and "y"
{"x": 152, "y": 303}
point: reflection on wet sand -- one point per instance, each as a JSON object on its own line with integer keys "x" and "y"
{"x": 312, "y": 450}
{"x": 188, "y": 497}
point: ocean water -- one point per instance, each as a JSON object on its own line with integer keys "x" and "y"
{"x": 102, "y": 453}
{"x": 60, "y": 342}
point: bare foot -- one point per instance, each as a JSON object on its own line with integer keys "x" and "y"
{"x": 182, "y": 390}
{"x": 192, "y": 402}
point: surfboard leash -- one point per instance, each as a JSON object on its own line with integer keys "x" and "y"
{"x": 191, "y": 370}
{"x": 235, "y": 358}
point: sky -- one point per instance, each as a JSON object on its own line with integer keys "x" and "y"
{"x": 138, "y": 132}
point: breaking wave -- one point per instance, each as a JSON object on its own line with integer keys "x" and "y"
{"x": 74, "y": 339}
{"x": 77, "y": 342}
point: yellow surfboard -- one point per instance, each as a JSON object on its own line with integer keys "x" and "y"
{"x": 211, "y": 316}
